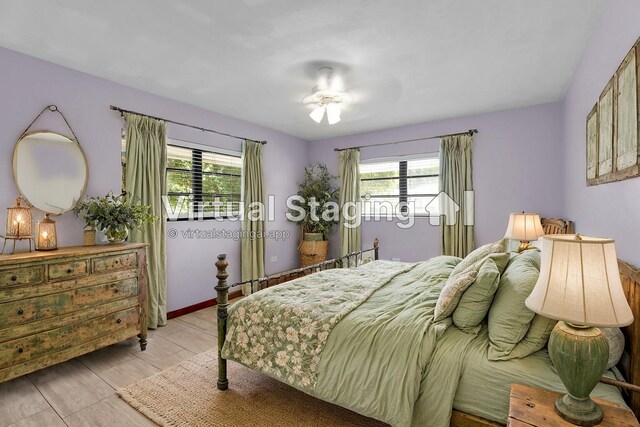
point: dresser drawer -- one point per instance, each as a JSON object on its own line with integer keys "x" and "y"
{"x": 34, "y": 346}
{"x": 22, "y": 276}
{"x": 113, "y": 263}
{"x": 39, "y": 308}
{"x": 15, "y": 293}
{"x": 68, "y": 270}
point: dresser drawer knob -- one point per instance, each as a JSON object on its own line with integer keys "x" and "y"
{"x": 14, "y": 278}
{"x": 116, "y": 290}
{"x": 69, "y": 271}
{"x": 20, "y": 312}
{"x": 20, "y": 350}
{"x": 116, "y": 261}
{"x": 119, "y": 321}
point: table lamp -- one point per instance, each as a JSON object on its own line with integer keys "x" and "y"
{"x": 524, "y": 227}
{"x": 579, "y": 285}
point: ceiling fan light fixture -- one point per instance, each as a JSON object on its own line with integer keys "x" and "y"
{"x": 327, "y": 95}
{"x": 333, "y": 113}
{"x": 317, "y": 114}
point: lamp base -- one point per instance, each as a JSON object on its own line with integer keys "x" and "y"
{"x": 580, "y": 356}
{"x": 583, "y": 412}
{"x": 524, "y": 246}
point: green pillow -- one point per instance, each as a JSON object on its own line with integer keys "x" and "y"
{"x": 452, "y": 291}
{"x": 535, "y": 339}
{"x": 509, "y": 319}
{"x": 478, "y": 255}
{"x": 463, "y": 276}
{"x": 476, "y": 301}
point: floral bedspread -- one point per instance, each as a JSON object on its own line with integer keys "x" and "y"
{"x": 282, "y": 331}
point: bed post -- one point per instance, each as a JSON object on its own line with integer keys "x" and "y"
{"x": 376, "y": 244}
{"x": 222, "y": 302}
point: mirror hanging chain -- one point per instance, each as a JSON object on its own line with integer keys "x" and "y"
{"x": 53, "y": 109}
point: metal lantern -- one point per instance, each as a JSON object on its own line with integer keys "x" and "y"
{"x": 47, "y": 239}
{"x": 19, "y": 221}
{"x": 18, "y": 225}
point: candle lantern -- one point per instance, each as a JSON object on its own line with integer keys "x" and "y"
{"x": 19, "y": 221}
{"x": 18, "y": 224}
{"x": 47, "y": 239}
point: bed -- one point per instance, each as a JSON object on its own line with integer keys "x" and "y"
{"x": 365, "y": 338}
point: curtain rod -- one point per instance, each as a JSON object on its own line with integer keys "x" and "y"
{"x": 470, "y": 132}
{"x": 122, "y": 111}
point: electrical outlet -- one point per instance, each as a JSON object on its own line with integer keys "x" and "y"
{"x": 395, "y": 259}
{"x": 274, "y": 259}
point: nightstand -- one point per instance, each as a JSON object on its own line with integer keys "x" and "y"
{"x": 529, "y": 406}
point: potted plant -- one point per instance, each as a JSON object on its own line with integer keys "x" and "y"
{"x": 317, "y": 190}
{"x": 114, "y": 215}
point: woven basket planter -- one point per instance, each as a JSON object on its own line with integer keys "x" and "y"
{"x": 313, "y": 252}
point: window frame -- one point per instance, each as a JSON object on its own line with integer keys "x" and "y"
{"x": 197, "y": 175}
{"x": 403, "y": 181}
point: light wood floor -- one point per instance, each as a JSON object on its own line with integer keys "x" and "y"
{"x": 81, "y": 392}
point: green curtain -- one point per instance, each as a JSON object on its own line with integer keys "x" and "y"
{"x": 349, "y": 193}
{"x": 252, "y": 228}
{"x": 146, "y": 160}
{"x": 455, "y": 180}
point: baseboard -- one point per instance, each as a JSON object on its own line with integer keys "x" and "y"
{"x": 200, "y": 305}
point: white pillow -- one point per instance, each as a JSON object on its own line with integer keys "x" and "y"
{"x": 616, "y": 345}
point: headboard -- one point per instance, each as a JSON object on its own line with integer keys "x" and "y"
{"x": 631, "y": 284}
{"x": 557, "y": 226}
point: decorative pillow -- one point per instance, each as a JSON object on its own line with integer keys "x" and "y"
{"x": 476, "y": 301}
{"x": 509, "y": 318}
{"x": 478, "y": 255}
{"x": 616, "y": 345}
{"x": 452, "y": 291}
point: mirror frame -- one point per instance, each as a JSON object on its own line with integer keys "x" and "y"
{"x": 15, "y": 178}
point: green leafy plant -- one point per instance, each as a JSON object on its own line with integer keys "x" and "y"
{"x": 112, "y": 213}
{"x": 317, "y": 186}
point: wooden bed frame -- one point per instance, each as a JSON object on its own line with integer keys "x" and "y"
{"x": 630, "y": 282}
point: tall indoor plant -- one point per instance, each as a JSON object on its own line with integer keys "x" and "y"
{"x": 114, "y": 215}
{"x": 317, "y": 189}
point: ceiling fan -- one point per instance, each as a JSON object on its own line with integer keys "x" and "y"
{"x": 328, "y": 95}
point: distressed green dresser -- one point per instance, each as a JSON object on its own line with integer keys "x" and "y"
{"x": 57, "y": 305}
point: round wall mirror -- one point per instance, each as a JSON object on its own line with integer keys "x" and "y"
{"x": 50, "y": 171}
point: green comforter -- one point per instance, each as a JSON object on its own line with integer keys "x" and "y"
{"x": 363, "y": 338}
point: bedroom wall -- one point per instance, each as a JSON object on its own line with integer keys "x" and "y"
{"x": 608, "y": 210}
{"x": 29, "y": 84}
{"x": 517, "y": 163}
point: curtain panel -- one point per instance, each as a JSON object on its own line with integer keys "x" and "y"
{"x": 252, "y": 238}
{"x": 350, "y": 203}
{"x": 146, "y": 160}
{"x": 456, "y": 221}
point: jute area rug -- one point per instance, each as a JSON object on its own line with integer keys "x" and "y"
{"x": 186, "y": 395}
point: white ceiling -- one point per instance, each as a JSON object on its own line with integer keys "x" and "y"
{"x": 404, "y": 61}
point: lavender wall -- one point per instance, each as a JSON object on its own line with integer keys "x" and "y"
{"x": 609, "y": 210}
{"x": 29, "y": 84}
{"x": 517, "y": 161}
{"x": 524, "y": 159}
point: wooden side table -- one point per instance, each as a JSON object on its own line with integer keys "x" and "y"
{"x": 529, "y": 406}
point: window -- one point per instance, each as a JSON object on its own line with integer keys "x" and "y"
{"x": 409, "y": 185}
{"x": 203, "y": 183}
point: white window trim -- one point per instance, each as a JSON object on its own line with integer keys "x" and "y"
{"x": 400, "y": 158}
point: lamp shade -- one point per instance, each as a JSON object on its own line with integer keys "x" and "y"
{"x": 333, "y": 113}
{"x": 580, "y": 283}
{"x": 317, "y": 114}
{"x": 18, "y": 221}
{"x": 524, "y": 227}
